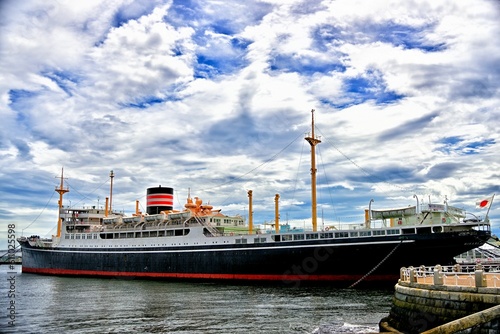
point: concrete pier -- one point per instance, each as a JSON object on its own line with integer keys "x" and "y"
{"x": 446, "y": 299}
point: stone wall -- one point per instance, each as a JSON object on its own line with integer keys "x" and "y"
{"x": 421, "y": 307}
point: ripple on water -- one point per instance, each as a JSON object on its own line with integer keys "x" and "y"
{"x": 91, "y": 305}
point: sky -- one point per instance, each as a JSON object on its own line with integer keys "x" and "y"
{"x": 215, "y": 97}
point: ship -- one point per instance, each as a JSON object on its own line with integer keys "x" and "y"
{"x": 200, "y": 243}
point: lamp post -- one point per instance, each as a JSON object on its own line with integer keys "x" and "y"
{"x": 418, "y": 207}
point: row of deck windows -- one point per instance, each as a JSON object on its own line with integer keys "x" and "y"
{"x": 127, "y": 235}
{"x": 283, "y": 237}
{"x": 80, "y": 236}
{"x": 145, "y": 234}
{"x": 331, "y": 235}
{"x": 227, "y": 221}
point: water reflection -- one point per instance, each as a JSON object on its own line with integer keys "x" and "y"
{"x": 92, "y": 305}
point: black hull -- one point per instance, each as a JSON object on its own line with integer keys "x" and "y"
{"x": 343, "y": 261}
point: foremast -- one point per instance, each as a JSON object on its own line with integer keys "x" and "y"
{"x": 313, "y": 141}
{"x": 250, "y": 211}
{"x": 61, "y": 191}
{"x": 111, "y": 176}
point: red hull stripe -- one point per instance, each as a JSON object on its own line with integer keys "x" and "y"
{"x": 249, "y": 277}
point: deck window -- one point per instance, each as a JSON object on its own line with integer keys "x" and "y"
{"x": 408, "y": 231}
{"x": 424, "y": 230}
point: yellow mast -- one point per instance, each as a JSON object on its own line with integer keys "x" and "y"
{"x": 106, "y": 207}
{"x": 313, "y": 141}
{"x": 276, "y": 214}
{"x": 250, "y": 213}
{"x": 137, "y": 208}
{"x": 61, "y": 190}
{"x": 111, "y": 175}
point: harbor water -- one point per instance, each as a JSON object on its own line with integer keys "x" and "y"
{"x": 50, "y": 304}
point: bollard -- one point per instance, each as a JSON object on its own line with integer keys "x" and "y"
{"x": 480, "y": 279}
{"x": 423, "y": 273}
{"x": 413, "y": 275}
{"x": 438, "y": 275}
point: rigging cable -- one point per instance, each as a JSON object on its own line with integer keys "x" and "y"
{"x": 327, "y": 182}
{"x": 374, "y": 178}
{"x": 50, "y": 232}
{"x": 298, "y": 169}
{"x": 254, "y": 169}
{"x": 297, "y": 175}
{"x": 45, "y": 207}
{"x": 84, "y": 196}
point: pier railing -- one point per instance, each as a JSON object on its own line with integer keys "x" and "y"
{"x": 479, "y": 276}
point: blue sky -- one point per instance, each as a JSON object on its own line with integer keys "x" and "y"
{"x": 215, "y": 96}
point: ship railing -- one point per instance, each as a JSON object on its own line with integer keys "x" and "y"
{"x": 212, "y": 230}
{"x": 479, "y": 275}
{"x": 483, "y": 226}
